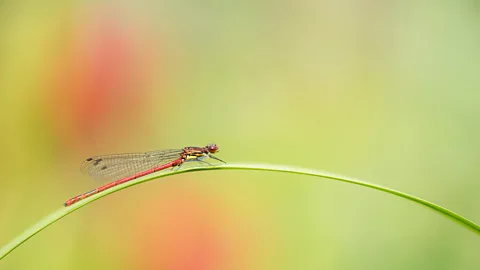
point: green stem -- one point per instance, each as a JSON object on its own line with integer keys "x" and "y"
{"x": 60, "y": 213}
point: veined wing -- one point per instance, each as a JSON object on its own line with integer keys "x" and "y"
{"x": 117, "y": 166}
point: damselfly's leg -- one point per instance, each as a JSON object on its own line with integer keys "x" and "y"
{"x": 178, "y": 167}
{"x": 203, "y": 161}
{"x": 214, "y": 157}
{"x": 200, "y": 159}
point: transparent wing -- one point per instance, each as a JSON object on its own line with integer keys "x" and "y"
{"x": 114, "y": 167}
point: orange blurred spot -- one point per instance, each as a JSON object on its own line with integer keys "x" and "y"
{"x": 102, "y": 77}
{"x": 184, "y": 233}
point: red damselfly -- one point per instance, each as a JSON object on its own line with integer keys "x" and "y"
{"x": 127, "y": 167}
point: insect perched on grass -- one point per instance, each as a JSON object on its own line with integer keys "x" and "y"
{"x": 126, "y": 167}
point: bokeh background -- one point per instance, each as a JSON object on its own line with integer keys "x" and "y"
{"x": 385, "y": 91}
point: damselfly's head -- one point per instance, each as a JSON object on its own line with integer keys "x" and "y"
{"x": 212, "y": 148}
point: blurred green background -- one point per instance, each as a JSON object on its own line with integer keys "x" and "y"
{"x": 385, "y": 91}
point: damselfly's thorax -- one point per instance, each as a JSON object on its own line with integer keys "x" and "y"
{"x": 195, "y": 152}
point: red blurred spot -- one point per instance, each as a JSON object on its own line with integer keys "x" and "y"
{"x": 102, "y": 76}
{"x": 184, "y": 233}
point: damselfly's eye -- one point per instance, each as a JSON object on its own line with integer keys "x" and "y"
{"x": 212, "y": 148}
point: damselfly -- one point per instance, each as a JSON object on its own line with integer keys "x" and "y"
{"x": 126, "y": 167}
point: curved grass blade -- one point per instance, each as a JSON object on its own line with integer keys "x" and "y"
{"x": 62, "y": 212}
